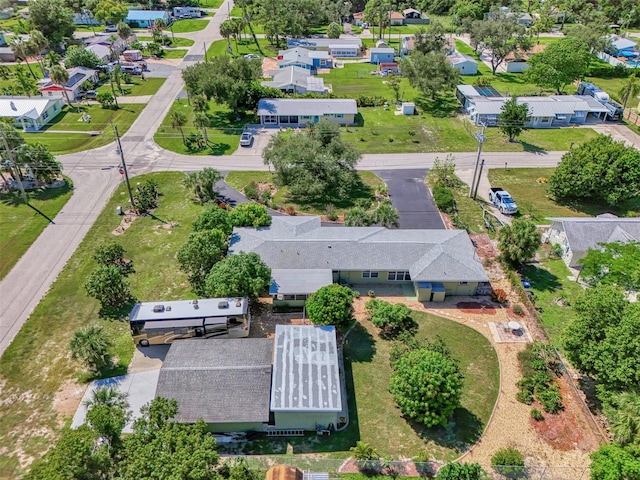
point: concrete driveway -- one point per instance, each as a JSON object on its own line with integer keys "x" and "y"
{"x": 412, "y": 198}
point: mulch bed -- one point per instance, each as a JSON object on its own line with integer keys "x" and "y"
{"x": 477, "y": 308}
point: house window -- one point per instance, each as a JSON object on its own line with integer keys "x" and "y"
{"x": 463, "y": 283}
{"x": 289, "y": 297}
{"x": 270, "y": 119}
{"x": 45, "y": 115}
{"x": 398, "y": 276}
{"x": 301, "y": 297}
{"x": 369, "y": 274}
{"x": 339, "y": 115}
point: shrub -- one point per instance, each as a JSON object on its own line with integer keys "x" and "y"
{"x": 331, "y": 305}
{"x": 518, "y": 310}
{"x": 250, "y": 215}
{"x": 265, "y": 196}
{"x": 290, "y": 210}
{"x": 499, "y": 295}
{"x": 371, "y": 293}
{"x": 195, "y": 142}
{"x": 390, "y": 319}
{"x": 146, "y": 196}
{"x": 330, "y": 210}
{"x": 443, "y": 197}
{"x": 508, "y": 462}
{"x": 370, "y": 100}
{"x": 390, "y": 139}
{"x": 556, "y": 250}
{"x": 550, "y": 398}
{"x": 537, "y": 415}
{"x": 251, "y": 191}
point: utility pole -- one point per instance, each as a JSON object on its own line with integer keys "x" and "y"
{"x": 15, "y": 170}
{"x": 124, "y": 166}
{"x": 475, "y": 191}
{"x": 480, "y": 137}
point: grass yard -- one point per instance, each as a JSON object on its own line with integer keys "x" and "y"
{"x": 243, "y": 47}
{"x": 370, "y": 181}
{"x": 210, "y": 3}
{"x": 20, "y": 224}
{"x": 533, "y": 200}
{"x": 175, "y": 42}
{"x": 148, "y": 86}
{"x": 223, "y": 134}
{"x": 549, "y": 283}
{"x": 9, "y": 82}
{"x": 36, "y": 365}
{"x": 189, "y": 25}
{"x": 173, "y": 53}
{"x": 70, "y": 121}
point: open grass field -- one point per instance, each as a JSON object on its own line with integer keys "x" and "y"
{"x": 189, "y": 25}
{"x": 223, "y": 134}
{"x": 373, "y": 416}
{"x": 533, "y": 200}
{"x": 36, "y": 366}
{"x": 148, "y": 86}
{"x": 209, "y": 3}
{"x": 370, "y": 181}
{"x": 20, "y": 225}
{"x": 243, "y": 47}
{"x": 10, "y": 81}
{"x": 175, "y": 41}
{"x": 549, "y": 283}
{"x": 173, "y": 53}
{"x": 69, "y": 120}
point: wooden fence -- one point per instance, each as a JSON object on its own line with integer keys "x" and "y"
{"x": 631, "y": 117}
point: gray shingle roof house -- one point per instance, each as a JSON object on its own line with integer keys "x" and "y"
{"x": 298, "y": 112}
{"x": 465, "y": 64}
{"x": 576, "y": 235}
{"x": 225, "y": 382}
{"x": 425, "y": 260}
{"x": 295, "y": 80}
{"x": 306, "y": 390}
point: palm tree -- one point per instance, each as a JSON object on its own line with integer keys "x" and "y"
{"x": 386, "y": 215}
{"x": 116, "y": 79}
{"x": 244, "y": 4}
{"x": 364, "y": 454}
{"x": 624, "y": 418}
{"x": 630, "y": 90}
{"x": 202, "y": 121}
{"x": 108, "y": 397}
{"x": 37, "y": 42}
{"x": 25, "y": 83}
{"x": 158, "y": 29}
{"x": 60, "y": 77}
{"x": 202, "y": 184}
{"x": 21, "y": 49}
{"x": 51, "y": 59}
{"x": 227, "y": 30}
{"x": 178, "y": 120}
{"x": 91, "y": 344}
{"x": 200, "y": 104}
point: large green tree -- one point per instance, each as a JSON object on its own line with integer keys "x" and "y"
{"x": 614, "y": 263}
{"x": 560, "y": 64}
{"x": 111, "y": 254}
{"x": 623, "y": 414}
{"x": 199, "y": 254}
{"x": 614, "y": 462}
{"x": 111, "y": 11}
{"x": 76, "y": 56}
{"x": 519, "y": 241}
{"x": 427, "y": 386}
{"x": 239, "y": 275}
{"x": 331, "y": 305}
{"x": 295, "y": 18}
{"x": 110, "y": 287}
{"x": 432, "y": 39}
{"x": 316, "y": 165}
{"x": 630, "y": 90}
{"x": 430, "y": 73}
{"x": 250, "y": 214}
{"x": 37, "y": 158}
{"x": 214, "y": 218}
{"x": 512, "y": 118}
{"x": 159, "y": 448}
{"x": 53, "y": 19}
{"x": 599, "y": 169}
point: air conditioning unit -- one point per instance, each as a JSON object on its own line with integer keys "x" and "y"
{"x": 223, "y": 304}
{"x": 158, "y": 308}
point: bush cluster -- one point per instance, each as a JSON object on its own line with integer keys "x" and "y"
{"x": 390, "y": 319}
{"x": 443, "y": 196}
{"x": 540, "y": 365}
{"x": 370, "y": 100}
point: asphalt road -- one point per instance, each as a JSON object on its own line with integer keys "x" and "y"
{"x": 412, "y": 198}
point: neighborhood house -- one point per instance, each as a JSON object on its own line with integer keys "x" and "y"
{"x": 304, "y": 256}
{"x": 576, "y": 235}
{"x": 74, "y": 86}
{"x": 146, "y": 18}
{"x": 30, "y": 114}
{"x": 337, "y": 47}
{"x": 290, "y": 382}
{"x": 294, "y": 112}
{"x": 295, "y": 80}
{"x": 465, "y": 64}
{"x": 310, "y": 60}
{"x": 381, "y": 55}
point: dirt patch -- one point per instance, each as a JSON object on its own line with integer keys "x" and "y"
{"x": 125, "y": 223}
{"x": 165, "y": 226}
{"x": 268, "y": 64}
{"x": 484, "y": 308}
{"x": 68, "y": 398}
{"x": 448, "y": 223}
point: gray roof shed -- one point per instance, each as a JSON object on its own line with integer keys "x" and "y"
{"x": 218, "y": 381}
{"x": 306, "y": 375}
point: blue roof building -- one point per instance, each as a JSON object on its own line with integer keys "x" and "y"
{"x": 145, "y": 18}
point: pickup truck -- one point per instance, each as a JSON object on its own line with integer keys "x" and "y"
{"x": 502, "y": 201}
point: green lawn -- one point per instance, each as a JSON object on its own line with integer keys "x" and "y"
{"x": 20, "y": 224}
{"x": 36, "y": 365}
{"x": 243, "y": 47}
{"x": 223, "y": 135}
{"x": 148, "y": 86}
{"x": 209, "y": 3}
{"x": 16, "y": 24}
{"x": 549, "y": 283}
{"x": 189, "y": 25}
{"x": 370, "y": 181}
{"x": 101, "y": 120}
{"x": 166, "y": 53}
{"x": 10, "y": 69}
{"x": 175, "y": 42}
{"x": 533, "y": 200}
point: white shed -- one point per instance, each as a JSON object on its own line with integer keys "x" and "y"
{"x": 408, "y": 108}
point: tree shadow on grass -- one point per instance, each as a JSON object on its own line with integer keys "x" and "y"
{"x": 14, "y": 197}
{"x": 360, "y": 191}
{"x": 591, "y": 208}
{"x": 464, "y": 429}
{"x": 541, "y": 279}
{"x": 359, "y": 346}
{"x": 529, "y": 147}
{"x": 439, "y": 107}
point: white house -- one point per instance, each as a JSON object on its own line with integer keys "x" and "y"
{"x": 576, "y": 235}
{"x": 295, "y": 112}
{"x": 301, "y": 57}
{"x": 295, "y": 80}
{"x": 103, "y": 52}
{"x": 73, "y": 87}
{"x": 465, "y": 64}
{"x": 31, "y": 114}
{"x": 337, "y": 47}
